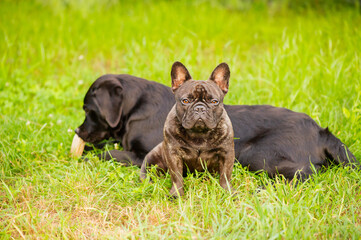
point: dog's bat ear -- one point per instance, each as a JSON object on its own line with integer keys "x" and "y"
{"x": 220, "y": 76}
{"x": 179, "y": 75}
{"x": 108, "y": 98}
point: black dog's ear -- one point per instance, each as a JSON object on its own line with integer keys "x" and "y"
{"x": 220, "y": 76}
{"x": 108, "y": 98}
{"x": 179, "y": 75}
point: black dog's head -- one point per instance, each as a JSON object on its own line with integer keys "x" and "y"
{"x": 199, "y": 104}
{"x": 103, "y": 108}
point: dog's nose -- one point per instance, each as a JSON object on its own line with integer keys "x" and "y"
{"x": 200, "y": 109}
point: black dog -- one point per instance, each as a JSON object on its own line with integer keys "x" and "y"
{"x": 128, "y": 109}
{"x": 276, "y": 140}
{"x": 198, "y": 133}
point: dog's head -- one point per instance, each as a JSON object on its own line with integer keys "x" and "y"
{"x": 103, "y": 108}
{"x": 199, "y": 104}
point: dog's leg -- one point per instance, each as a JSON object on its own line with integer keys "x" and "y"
{"x": 174, "y": 162}
{"x": 154, "y": 157}
{"x": 125, "y": 157}
{"x": 177, "y": 183}
{"x": 225, "y": 171}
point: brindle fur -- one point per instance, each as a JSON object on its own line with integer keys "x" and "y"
{"x": 194, "y": 140}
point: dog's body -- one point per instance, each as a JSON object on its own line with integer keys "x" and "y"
{"x": 198, "y": 133}
{"x": 276, "y": 140}
{"x": 280, "y": 141}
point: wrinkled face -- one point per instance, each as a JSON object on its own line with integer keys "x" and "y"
{"x": 199, "y": 105}
{"x": 102, "y": 106}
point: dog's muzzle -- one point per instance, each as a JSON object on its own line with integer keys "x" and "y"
{"x": 200, "y": 109}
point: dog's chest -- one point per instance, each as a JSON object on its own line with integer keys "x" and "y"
{"x": 201, "y": 159}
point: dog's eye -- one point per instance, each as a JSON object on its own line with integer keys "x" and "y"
{"x": 214, "y": 101}
{"x": 185, "y": 101}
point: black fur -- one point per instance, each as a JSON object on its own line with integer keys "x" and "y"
{"x": 142, "y": 115}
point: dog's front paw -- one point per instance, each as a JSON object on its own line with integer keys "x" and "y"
{"x": 176, "y": 192}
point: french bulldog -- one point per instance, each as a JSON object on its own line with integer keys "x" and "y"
{"x": 198, "y": 133}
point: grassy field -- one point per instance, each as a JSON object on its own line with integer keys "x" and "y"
{"x": 50, "y": 53}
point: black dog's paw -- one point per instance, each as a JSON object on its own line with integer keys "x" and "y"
{"x": 126, "y": 158}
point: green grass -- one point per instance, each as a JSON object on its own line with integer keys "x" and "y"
{"x": 50, "y": 53}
